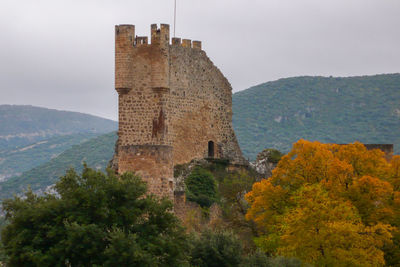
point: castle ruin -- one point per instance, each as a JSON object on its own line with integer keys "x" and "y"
{"x": 174, "y": 106}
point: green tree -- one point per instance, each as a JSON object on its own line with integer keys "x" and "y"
{"x": 201, "y": 187}
{"x": 221, "y": 248}
{"x": 260, "y": 259}
{"x": 94, "y": 219}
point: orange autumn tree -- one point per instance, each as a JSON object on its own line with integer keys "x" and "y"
{"x": 328, "y": 232}
{"x": 394, "y": 175}
{"x": 356, "y": 190}
{"x": 372, "y": 197}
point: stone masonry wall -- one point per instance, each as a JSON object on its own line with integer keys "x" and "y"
{"x": 174, "y": 106}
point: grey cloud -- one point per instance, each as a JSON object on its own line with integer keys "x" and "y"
{"x": 59, "y": 54}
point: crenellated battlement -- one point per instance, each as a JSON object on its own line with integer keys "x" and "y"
{"x": 158, "y": 36}
{"x": 142, "y": 40}
{"x": 176, "y": 41}
{"x": 196, "y": 45}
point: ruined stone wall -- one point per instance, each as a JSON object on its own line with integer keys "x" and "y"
{"x": 201, "y": 107}
{"x": 174, "y": 106}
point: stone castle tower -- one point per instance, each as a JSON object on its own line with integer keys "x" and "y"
{"x": 174, "y": 106}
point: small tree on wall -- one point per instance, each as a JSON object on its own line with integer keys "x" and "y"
{"x": 201, "y": 187}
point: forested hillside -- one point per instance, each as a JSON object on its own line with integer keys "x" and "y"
{"x": 24, "y": 125}
{"x": 96, "y": 152}
{"x": 17, "y": 160}
{"x": 335, "y": 110}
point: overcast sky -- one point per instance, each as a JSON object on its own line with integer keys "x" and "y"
{"x": 60, "y": 54}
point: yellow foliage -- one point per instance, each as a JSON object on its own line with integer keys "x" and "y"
{"x": 268, "y": 203}
{"x": 364, "y": 162}
{"x": 309, "y": 163}
{"x": 323, "y": 231}
{"x": 372, "y": 197}
{"x": 329, "y": 205}
{"x": 395, "y": 172}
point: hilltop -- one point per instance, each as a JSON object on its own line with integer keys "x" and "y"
{"x": 23, "y": 158}
{"x": 25, "y": 125}
{"x": 96, "y": 152}
{"x": 329, "y": 109}
{"x": 30, "y": 136}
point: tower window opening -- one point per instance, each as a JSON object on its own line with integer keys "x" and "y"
{"x": 211, "y": 149}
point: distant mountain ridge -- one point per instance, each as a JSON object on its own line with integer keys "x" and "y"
{"x": 96, "y": 152}
{"x": 328, "y": 109}
{"x": 24, "y": 125}
{"x": 30, "y": 136}
{"x": 23, "y": 158}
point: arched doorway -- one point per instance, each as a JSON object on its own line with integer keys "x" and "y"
{"x": 211, "y": 149}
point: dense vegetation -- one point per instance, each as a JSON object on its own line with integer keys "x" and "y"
{"x": 332, "y": 110}
{"x": 224, "y": 248}
{"x": 24, "y": 125}
{"x": 201, "y": 187}
{"x": 96, "y": 152}
{"x": 98, "y": 219}
{"x": 224, "y": 189}
{"x": 94, "y": 220}
{"x": 330, "y": 205}
{"x": 327, "y": 205}
{"x": 15, "y": 161}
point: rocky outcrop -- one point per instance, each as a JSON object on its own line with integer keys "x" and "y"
{"x": 266, "y": 161}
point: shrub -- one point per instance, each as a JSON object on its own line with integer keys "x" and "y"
{"x": 217, "y": 249}
{"x": 201, "y": 187}
{"x": 274, "y": 155}
{"x": 260, "y": 259}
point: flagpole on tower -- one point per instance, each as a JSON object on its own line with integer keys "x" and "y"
{"x": 175, "y": 19}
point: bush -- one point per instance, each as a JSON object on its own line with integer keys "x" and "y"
{"x": 223, "y": 248}
{"x": 217, "y": 249}
{"x": 260, "y": 259}
{"x": 274, "y": 155}
{"x": 201, "y": 187}
{"x": 287, "y": 262}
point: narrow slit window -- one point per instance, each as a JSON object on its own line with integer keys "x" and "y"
{"x": 211, "y": 149}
